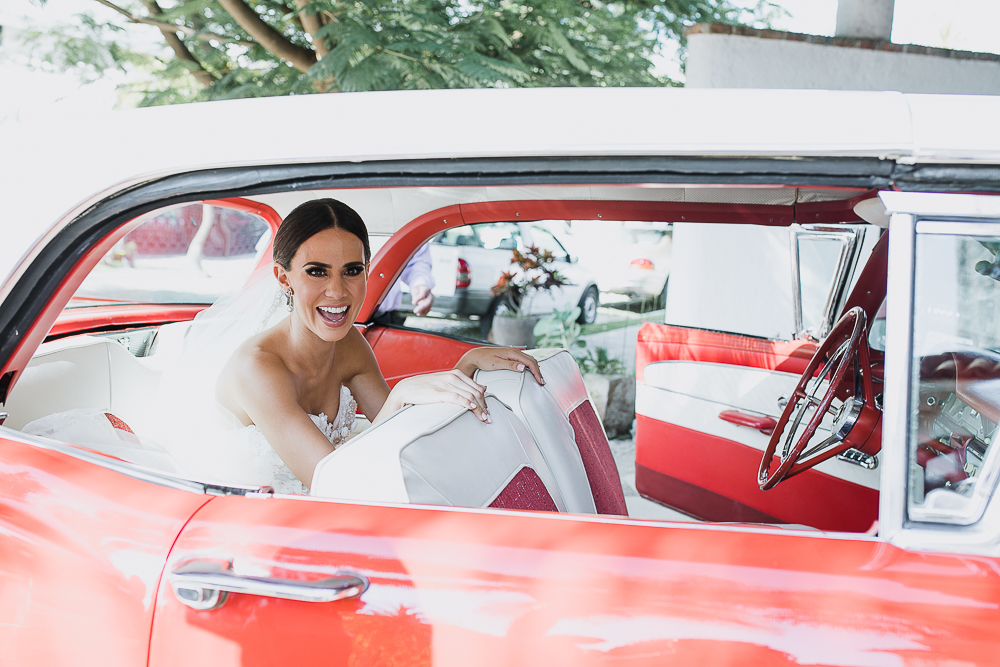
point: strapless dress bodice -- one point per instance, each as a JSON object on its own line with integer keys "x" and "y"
{"x": 336, "y": 431}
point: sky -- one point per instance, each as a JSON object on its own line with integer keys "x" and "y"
{"x": 957, "y": 24}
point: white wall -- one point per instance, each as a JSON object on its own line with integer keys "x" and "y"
{"x": 737, "y": 61}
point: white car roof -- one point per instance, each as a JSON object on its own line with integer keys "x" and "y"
{"x": 51, "y": 170}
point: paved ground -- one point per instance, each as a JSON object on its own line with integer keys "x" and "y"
{"x": 620, "y": 343}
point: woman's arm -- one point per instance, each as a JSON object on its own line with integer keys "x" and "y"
{"x": 498, "y": 358}
{"x": 264, "y": 388}
{"x": 378, "y": 402}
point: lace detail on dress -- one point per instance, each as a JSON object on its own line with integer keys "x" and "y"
{"x": 337, "y": 432}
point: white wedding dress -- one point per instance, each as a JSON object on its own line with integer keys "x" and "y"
{"x": 283, "y": 480}
{"x": 192, "y": 434}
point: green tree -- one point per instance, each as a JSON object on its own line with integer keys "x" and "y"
{"x": 248, "y": 48}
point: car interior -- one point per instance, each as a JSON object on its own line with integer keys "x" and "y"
{"x": 708, "y": 402}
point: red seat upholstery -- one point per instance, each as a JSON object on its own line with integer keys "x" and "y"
{"x": 568, "y": 432}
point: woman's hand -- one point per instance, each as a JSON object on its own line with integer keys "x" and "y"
{"x": 444, "y": 387}
{"x": 498, "y": 358}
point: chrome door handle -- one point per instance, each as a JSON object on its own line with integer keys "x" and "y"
{"x": 205, "y": 584}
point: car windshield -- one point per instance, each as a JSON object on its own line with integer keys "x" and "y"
{"x": 194, "y": 253}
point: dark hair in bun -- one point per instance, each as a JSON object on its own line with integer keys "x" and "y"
{"x": 311, "y": 218}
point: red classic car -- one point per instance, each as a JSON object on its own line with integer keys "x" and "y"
{"x": 824, "y": 444}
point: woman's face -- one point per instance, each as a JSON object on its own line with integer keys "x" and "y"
{"x": 327, "y": 276}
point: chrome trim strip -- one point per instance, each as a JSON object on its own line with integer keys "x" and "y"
{"x": 958, "y": 228}
{"x": 896, "y": 390}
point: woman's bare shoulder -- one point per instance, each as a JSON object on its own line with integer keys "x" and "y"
{"x": 256, "y": 370}
{"x": 356, "y": 354}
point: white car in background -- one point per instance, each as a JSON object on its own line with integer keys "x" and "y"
{"x": 628, "y": 258}
{"x": 468, "y": 261}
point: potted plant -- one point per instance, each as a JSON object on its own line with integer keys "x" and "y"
{"x": 514, "y": 325}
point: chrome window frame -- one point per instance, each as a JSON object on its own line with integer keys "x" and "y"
{"x": 896, "y": 524}
{"x": 850, "y": 239}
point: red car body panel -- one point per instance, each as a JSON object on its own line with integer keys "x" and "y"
{"x": 121, "y": 316}
{"x": 461, "y": 587}
{"x": 81, "y": 557}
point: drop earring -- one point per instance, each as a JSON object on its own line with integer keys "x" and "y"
{"x": 288, "y": 298}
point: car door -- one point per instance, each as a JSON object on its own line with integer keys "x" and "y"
{"x": 452, "y": 586}
{"x": 745, "y": 308}
{"x": 83, "y": 540}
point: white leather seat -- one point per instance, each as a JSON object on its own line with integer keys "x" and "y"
{"x": 442, "y": 454}
{"x": 565, "y": 426}
{"x": 83, "y": 372}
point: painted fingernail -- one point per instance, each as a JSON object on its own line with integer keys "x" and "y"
{"x": 472, "y": 405}
{"x": 489, "y": 418}
{"x": 520, "y": 367}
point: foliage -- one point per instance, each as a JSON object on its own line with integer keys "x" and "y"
{"x": 560, "y": 329}
{"x": 217, "y": 49}
{"x": 601, "y": 363}
{"x": 535, "y": 275}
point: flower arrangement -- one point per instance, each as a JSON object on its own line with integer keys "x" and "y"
{"x": 536, "y": 274}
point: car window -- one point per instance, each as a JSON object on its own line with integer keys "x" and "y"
{"x": 500, "y": 235}
{"x": 460, "y": 236}
{"x": 193, "y": 253}
{"x": 955, "y": 374}
{"x": 619, "y": 270}
{"x": 876, "y": 329}
{"x": 733, "y": 278}
{"x": 819, "y": 261}
{"x": 545, "y": 241}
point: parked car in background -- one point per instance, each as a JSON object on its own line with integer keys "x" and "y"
{"x": 630, "y": 258}
{"x": 844, "y": 482}
{"x": 468, "y": 261}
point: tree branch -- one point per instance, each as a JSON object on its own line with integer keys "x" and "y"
{"x": 272, "y": 40}
{"x": 174, "y": 28}
{"x": 203, "y": 76}
{"x": 311, "y": 23}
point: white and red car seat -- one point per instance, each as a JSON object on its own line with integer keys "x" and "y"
{"x": 545, "y": 450}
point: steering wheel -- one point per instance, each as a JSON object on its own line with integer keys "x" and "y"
{"x": 846, "y": 376}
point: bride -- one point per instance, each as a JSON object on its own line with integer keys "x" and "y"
{"x": 259, "y": 395}
{"x": 282, "y": 386}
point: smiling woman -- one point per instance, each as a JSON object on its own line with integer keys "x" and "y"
{"x": 287, "y": 392}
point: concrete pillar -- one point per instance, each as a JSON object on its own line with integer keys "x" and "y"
{"x": 868, "y": 19}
